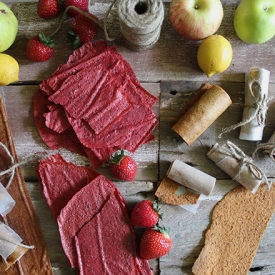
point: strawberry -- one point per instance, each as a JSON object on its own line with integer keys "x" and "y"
{"x": 145, "y": 213}
{"x": 82, "y": 29}
{"x": 47, "y": 9}
{"x": 155, "y": 243}
{"x": 40, "y": 48}
{"x": 80, "y": 4}
{"x": 123, "y": 167}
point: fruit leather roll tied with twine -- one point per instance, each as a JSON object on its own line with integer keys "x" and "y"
{"x": 202, "y": 110}
{"x": 140, "y": 22}
{"x": 190, "y": 177}
{"x": 236, "y": 164}
{"x": 256, "y": 99}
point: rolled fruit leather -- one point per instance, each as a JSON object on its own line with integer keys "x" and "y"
{"x": 7, "y": 202}
{"x": 11, "y": 249}
{"x": 256, "y": 97}
{"x": 207, "y": 105}
{"x": 191, "y": 177}
{"x": 229, "y": 158}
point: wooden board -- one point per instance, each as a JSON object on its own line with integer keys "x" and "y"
{"x": 22, "y": 218}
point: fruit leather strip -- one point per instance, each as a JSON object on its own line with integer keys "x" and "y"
{"x": 136, "y": 139}
{"x": 119, "y": 132}
{"x": 90, "y": 94}
{"x": 100, "y": 251}
{"x": 56, "y": 119}
{"x": 56, "y": 158}
{"x": 86, "y": 51}
{"x": 61, "y": 180}
{"x": 82, "y": 207}
{"x": 83, "y": 93}
{"x": 23, "y": 219}
{"x": 56, "y": 80}
{"x": 54, "y": 140}
{"x": 98, "y": 157}
{"x": 114, "y": 109}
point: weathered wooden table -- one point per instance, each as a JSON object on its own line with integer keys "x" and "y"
{"x": 170, "y": 72}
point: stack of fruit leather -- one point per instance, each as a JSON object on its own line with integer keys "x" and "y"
{"x": 94, "y": 105}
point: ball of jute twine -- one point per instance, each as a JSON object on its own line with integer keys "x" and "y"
{"x": 140, "y": 22}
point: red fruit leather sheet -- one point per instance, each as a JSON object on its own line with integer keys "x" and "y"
{"x": 22, "y": 218}
{"x": 94, "y": 102}
{"x": 67, "y": 139}
{"x": 83, "y": 206}
{"x": 111, "y": 248}
{"x": 60, "y": 180}
{"x": 94, "y": 224}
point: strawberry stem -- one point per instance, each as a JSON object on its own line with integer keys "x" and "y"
{"x": 162, "y": 230}
{"x": 156, "y": 208}
{"x": 46, "y": 40}
{"x": 117, "y": 157}
{"x": 81, "y": 12}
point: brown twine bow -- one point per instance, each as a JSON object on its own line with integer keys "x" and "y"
{"x": 259, "y": 104}
{"x": 233, "y": 151}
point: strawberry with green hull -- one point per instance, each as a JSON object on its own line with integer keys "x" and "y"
{"x": 48, "y": 9}
{"x": 80, "y": 4}
{"x": 82, "y": 29}
{"x": 40, "y": 48}
{"x": 155, "y": 243}
{"x": 145, "y": 214}
{"x": 123, "y": 167}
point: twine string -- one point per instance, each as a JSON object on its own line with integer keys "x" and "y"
{"x": 139, "y": 33}
{"x": 105, "y": 23}
{"x": 15, "y": 243}
{"x": 259, "y": 104}
{"x": 268, "y": 147}
{"x": 141, "y": 29}
{"x": 231, "y": 150}
{"x": 12, "y": 169}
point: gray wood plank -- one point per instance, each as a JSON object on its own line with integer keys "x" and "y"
{"x": 172, "y": 58}
{"x": 18, "y": 102}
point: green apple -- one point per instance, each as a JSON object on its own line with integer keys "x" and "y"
{"x": 254, "y": 21}
{"x": 8, "y": 27}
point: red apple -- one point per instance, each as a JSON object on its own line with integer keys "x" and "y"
{"x": 196, "y": 19}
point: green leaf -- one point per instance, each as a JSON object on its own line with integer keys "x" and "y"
{"x": 73, "y": 39}
{"x": 117, "y": 157}
{"x": 46, "y": 40}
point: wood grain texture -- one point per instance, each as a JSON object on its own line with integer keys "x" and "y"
{"x": 172, "y": 58}
{"x": 170, "y": 72}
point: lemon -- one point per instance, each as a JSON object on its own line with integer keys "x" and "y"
{"x": 214, "y": 54}
{"x": 9, "y": 69}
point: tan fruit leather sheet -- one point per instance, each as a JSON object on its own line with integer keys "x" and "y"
{"x": 238, "y": 222}
{"x": 22, "y": 218}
